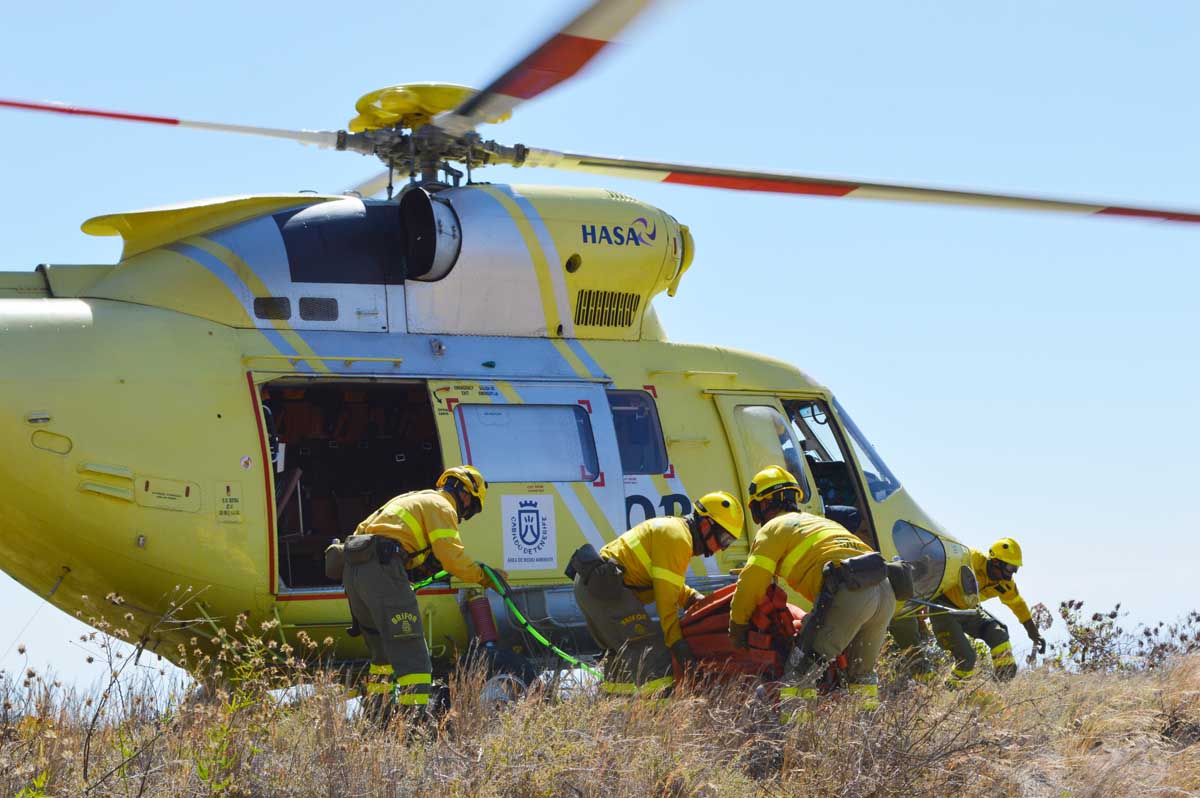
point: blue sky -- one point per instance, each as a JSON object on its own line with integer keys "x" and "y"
{"x": 1025, "y": 375}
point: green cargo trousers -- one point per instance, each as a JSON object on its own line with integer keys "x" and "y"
{"x": 907, "y": 634}
{"x": 856, "y": 623}
{"x": 384, "y": 604}
{"x": 954, "y": 635}
{"x": 638, "y": 662}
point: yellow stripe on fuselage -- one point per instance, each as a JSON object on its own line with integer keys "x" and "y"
{"x": 599, "y": 520}
{"x": 550, "y": 307}
{"x": 259, "y": 289}
{"x": 508, "y": 392}
{"x": 572, "y": 359}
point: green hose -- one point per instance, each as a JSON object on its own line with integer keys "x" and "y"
{"x": 504, "y": 592}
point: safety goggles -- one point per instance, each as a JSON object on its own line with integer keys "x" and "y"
{"x": 1008, "y": 570}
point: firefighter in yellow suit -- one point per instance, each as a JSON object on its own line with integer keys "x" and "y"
{"x": 994, "y": 574}
{"x": 412, "y": 532}
{"x": 649, "y": 563}
{"x": 847, "y": 582}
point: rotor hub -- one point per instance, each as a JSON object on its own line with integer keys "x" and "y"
{"x": 410, "y": 105}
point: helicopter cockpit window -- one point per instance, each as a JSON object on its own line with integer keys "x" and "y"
{"x": 880, "y": 481}
{"x": 769, "y": 440}
{"x": 925, "y": 551}
{"x": 528, "y": 443}
{"x": 639, "y": 433}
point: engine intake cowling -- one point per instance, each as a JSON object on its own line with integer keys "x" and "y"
{"x": 537, "y": 261}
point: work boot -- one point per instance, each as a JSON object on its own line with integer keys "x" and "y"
{"x": 799, "y": 665}
{"x": 867, "y": 694}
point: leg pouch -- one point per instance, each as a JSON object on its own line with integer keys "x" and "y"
{"x": 607, "y": 581}
{"x": 360, "y": 549}
{"x": 583, "y": 562}
{"x": 867, "y": 570}
{"x": 900, "y": 574}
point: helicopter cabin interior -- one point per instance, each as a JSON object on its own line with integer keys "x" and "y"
{"x": 825, "y": 454}
{"x": 340, "y": 451}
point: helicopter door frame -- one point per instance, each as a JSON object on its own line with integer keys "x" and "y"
{"x": 736, "y": 424}
{"x": 868, "y": 530}
{"x": 584, "y": 510}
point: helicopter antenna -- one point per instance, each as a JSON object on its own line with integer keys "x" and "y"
{"x": 391, "y": 171}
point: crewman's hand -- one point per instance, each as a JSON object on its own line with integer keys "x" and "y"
{"x": 1039, "y": 642}
{"x": 488, "y": 582}
{"x": 691, "y": 599}
{"x": 683, "y": 653}
{"x": 737, "y": 635}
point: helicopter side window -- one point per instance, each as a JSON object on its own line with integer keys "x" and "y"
{"x": 769, "y": 440}
{"x": 880, "y": 481}
{"x": 639, "y": 433}
{"x": 528, "y": 443}
{"x": 277, "y": 308}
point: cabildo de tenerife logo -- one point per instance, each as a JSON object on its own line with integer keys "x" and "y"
{"x": 529, "y": 532}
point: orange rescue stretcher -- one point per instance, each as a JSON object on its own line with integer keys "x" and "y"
{"x": 773, "y": 628}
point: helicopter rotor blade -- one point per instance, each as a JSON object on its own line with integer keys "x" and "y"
{"x": 783, "y": 183}
{"x": 321, "y": 138}
{"x": 556, "y": 59}
{"x": 373, "y": 185}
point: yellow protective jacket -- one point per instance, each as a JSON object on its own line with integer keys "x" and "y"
{"x": 1006, "y": 589}
{"x": 795, "y": 546}
{"x": 424, "y": 521}
{"x": 655, "y": 556}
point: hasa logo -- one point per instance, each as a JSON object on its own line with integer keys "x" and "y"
{"x": 638, "y": 233}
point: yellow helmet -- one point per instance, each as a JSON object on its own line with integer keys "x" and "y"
{"x": 469, "y": 478}
{"x": 1006, "y": 550}
{"x": 772, "y": 480}
{"x": 723, "y": 508}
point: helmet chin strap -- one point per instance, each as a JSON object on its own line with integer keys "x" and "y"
{"x": 455, "y": 491}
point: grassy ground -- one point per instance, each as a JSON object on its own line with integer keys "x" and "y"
{"x": 1047, "y": 733}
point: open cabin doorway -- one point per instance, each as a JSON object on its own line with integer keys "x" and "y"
{"x": 341, "y": 449}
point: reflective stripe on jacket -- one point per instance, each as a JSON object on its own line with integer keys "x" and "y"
{"x": 655, "y": 556}
{"x": 794, "y": 546}
{"x": 1006, "y": 589}
{"x": 421, "y": 521}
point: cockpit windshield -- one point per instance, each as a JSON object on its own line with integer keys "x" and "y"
{"x": 880, "y": 480}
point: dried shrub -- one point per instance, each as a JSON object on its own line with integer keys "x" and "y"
{"x": 260, "y": 717}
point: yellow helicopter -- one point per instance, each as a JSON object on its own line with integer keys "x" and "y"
{"x": 257, "y": 373}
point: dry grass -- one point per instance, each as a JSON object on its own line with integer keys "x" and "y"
{"x": 1048, "y": 733}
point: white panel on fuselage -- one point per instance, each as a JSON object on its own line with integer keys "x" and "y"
{"x": 492, "y": 289}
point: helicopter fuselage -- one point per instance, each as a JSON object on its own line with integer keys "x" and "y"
{"x": 258, "y": 374}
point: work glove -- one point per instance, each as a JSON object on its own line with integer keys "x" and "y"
{"x": 691, "y": 599}
{"x": 1039, "y": 642}
{"x": 683, "y": 653}
{"x": 737, "y": 635}
{"x": 487, "y": 580}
